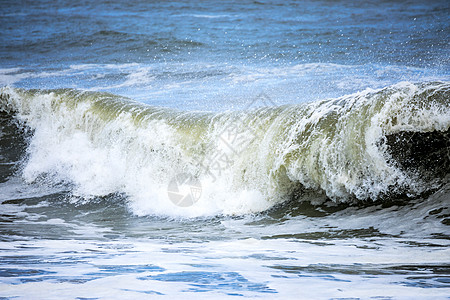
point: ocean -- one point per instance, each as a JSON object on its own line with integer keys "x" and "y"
{"x": 224, "y": 149}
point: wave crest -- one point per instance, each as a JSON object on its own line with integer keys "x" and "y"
{"x": 350, "y": 148}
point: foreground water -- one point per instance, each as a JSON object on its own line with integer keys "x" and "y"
{"x": 290, "y": 150}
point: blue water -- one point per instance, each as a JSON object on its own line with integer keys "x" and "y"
{"x": 190, "y": 54}
{"x": 218, "y": 56}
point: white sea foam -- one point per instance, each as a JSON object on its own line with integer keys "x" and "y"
{"x": 251, "y": 267}
{"x": 246, "y": 161}
{"x": 9, "y": 76}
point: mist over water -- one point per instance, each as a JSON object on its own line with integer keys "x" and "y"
{"x": 269, "y": 149}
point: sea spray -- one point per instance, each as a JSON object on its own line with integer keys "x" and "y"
{"x": 102, "y": 144}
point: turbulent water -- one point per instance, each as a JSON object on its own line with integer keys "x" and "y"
{"x": 291, "y": 150}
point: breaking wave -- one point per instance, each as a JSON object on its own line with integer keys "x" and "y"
{"x": 366, "y": 146}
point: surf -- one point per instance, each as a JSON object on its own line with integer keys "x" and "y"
{"x": 367, "y": 146}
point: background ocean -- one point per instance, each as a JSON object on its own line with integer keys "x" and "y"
{"x": 206, "y": 149}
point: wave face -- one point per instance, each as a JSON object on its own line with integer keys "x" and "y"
{"x": 365, "y": 146}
